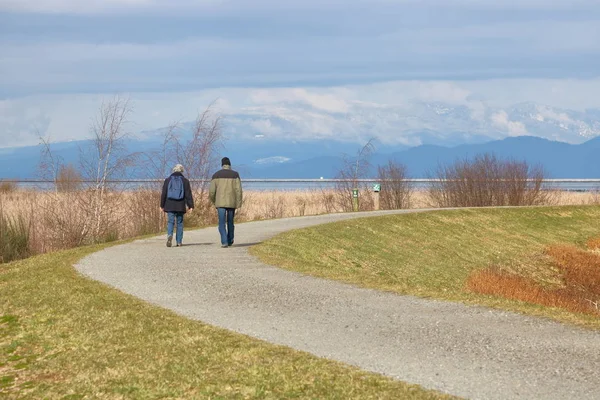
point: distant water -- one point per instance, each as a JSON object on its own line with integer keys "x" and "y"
{"x": 315, "y": 185}
{"x": 302, "y": 185}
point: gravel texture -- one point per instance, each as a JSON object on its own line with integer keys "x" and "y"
{"x": 473, "y": 352}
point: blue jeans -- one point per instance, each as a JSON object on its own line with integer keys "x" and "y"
{"x": 172, "y": 216}
{"x": 226, "y": 215}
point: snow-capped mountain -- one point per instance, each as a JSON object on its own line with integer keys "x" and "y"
{"x": 413, "y": 123}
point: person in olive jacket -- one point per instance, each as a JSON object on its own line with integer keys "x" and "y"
{"x": 225, "y": 194}
{"x": 176, "y": 195}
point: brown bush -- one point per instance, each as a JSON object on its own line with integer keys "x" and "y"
{"x": 488, "y": 181}
{"x": 580, "y": 273}
{"x": 396, "y": 190}
{"x": 147, "y": 216}
{"x": 68, "y": 179}
{"x": 7, "y": 187}
{"x": 580, "y": 268}
{"x": 510, "y": 286}
{"x": 593, "y": 243}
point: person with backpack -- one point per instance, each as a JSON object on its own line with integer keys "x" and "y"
{"x": 225, "y": 194}
{"x": 176, "y": 195}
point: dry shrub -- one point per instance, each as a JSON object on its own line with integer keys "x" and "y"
{"x": 328, "y": 201}
{"x": 593, "y": 243}
{"x": 396, "y": 190}
{"x": 580, "y": 268}
{"x": 580, "y": 273}
{"x": 274, "y": 206}
{"x": 301, "y": 203}
{"x": 64, "y": 220}
{"x": 147, "y": 218}
{"x": 488, "y": 181}
{"x": 510, "y": 286}
{"x": 7, "y": 187}
{"x": 594, "y": 198}
{"x": 68, "y": 179}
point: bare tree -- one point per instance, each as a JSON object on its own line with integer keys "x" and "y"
{"x": 199, "y": 153}
{"x": 75, "y": 217}
{"x": 353, "y": 169}
{"x": 106, "y": 160}
{"x": 158, "y": 162}
{"x": 50, "y": 164}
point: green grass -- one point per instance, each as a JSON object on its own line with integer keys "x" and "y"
{"x": 63, "y": 336}
{"x": 431, "y": 254}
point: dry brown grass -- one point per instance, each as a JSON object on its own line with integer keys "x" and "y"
{"x": 55, "y": 220}
{"x": 580, "y": 268}
{"x": 579, "y": 290}
{"x": 578, "y": 198}
{"x": 593, "y": 243}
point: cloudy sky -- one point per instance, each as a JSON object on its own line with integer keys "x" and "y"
{"x": 59, "y": 58}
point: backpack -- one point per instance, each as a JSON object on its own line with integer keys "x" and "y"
{"x": 175, "y": 190}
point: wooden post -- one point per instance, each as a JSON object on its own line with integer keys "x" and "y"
{"x": 376, "y": 190}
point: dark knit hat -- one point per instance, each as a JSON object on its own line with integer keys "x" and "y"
{"x": 225, "y": 161}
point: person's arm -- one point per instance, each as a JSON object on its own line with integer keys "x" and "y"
{"x": 238, "y": 192}
{"x": 163, "y": 195}
{"x": 212, "y": 191}
{"x": 189, "y": 196}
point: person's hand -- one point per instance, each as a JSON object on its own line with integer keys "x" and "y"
{"x": 162, "y": 209}
{"x": 191, "y": 209}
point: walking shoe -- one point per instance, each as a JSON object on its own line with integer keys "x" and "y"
{"x": 224, "y": 246}
{"x": 169, "y": 241}
{"x": 231, "y": 244}
{"x": 179, "y": 244}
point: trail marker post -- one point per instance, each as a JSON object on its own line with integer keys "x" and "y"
{"x": 355, "y": 199}
{"x": 376, "y": 190}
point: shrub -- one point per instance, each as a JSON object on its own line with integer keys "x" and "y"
{"x": 396, "y": 190}
{"x": 7, "y": 187}
{"x": 14, "y": 237}
{"x": 68, "y": 179}
{"x": 274, "y": 207}
{"x": 510, "y": 286}
{"x": 488, "y": 181}
{"x": 580, "y": 273}
{"x": 593, "y": 243}
{"x": 148, "y": 218}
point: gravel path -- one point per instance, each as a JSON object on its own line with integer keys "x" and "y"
{"x": 473, "y": 352}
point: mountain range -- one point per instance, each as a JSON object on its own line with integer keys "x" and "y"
{"x": 260, "y": 158}
{"x": 412, "y": 123}
{"x": 307, "y": 138}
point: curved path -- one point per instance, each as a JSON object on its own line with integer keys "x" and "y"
{"x": 467, "y": 351}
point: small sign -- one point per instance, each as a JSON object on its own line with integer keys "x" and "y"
{"x": 355, "y": 193}
{"x": 377, "y": 187}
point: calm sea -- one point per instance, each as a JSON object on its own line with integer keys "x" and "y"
{"x": 574, "y": 185}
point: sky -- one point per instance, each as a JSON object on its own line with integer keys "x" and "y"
{"x": 61, "y": 58}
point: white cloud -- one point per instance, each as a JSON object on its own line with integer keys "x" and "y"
{"x": 514, "y": 128}
{"x": 388, "y": 110}
{"x": 265, "y": 126}
{"x": 545, "y": 112}
{"x": 333, "y": 102}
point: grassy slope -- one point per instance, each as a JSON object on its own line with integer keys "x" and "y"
{"x": 432, "y": 254}
{"x": 64, "y": 335}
